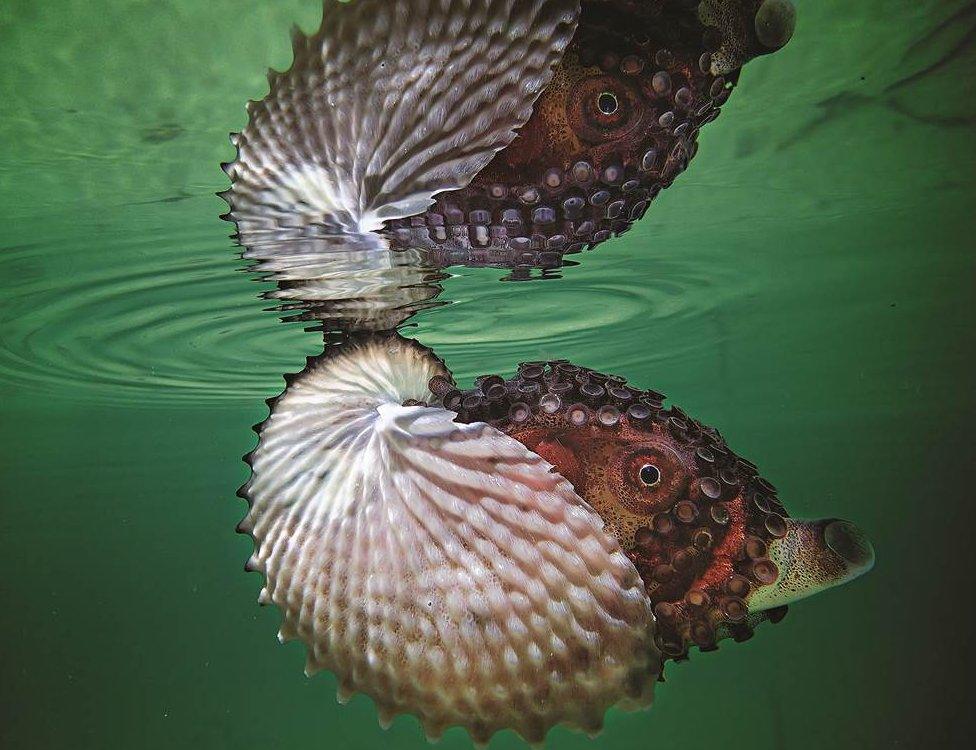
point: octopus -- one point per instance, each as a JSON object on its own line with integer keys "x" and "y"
{"x": 524, "y": 553}
{"x": 495, "y": 132}
{"x": 715, "y": 548}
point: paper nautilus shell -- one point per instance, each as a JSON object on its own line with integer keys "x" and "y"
{"x": 441, "y": 568}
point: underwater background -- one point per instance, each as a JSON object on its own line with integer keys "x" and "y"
{"x": 806, "y": 287}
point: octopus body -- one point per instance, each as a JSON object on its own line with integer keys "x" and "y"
{"x": 618, "y": 122}
{"x": 715, "y": 548}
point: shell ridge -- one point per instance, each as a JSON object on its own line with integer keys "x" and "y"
{"x": 411, "y": 566}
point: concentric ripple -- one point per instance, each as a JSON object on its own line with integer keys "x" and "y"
{"x": 143, "y": 319}
{"x": 629, "y": 305}
{"x": 152, "y": 304}
{"x": 160, "y": 320}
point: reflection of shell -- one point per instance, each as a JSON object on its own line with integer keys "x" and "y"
{"x": 343, "y": 284}
{"x": 440, "y": 568}
{"x": 391, "y": 103}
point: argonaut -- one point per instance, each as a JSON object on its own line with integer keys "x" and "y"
{"x": 520, "y": 554}
{"x": 491, "y": 131}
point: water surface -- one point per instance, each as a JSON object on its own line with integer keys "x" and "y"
{"x": 805, "y": 287}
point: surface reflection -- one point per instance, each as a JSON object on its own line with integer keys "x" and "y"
{"x": 341, "y": 284}
{"x": 493, "y": 148}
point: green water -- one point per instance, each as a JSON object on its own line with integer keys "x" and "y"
{"x": 806, "y": 287}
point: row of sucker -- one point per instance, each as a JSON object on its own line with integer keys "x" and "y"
{"x": 546, "y": 211}
{"x": 701, "y": 558}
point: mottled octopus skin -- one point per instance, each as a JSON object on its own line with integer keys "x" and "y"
{"x": 702, "y": 539}
{"x": 575, "y": 176}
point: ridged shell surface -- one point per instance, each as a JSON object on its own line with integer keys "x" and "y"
{"x": 442, "y": 569}
{"x": 391, "y": 102}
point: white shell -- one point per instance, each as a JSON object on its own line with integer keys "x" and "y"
{"x": 391, "y": 102}
{"x": 442, "y": 569}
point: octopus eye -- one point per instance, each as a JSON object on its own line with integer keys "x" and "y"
{"x": 650, "y": 475}
{"x": 607, "y": 103}
{"x": 602, "y": 109}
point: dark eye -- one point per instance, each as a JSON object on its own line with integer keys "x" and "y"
{"x": 602, "y": 108}
{"x": 650, "y": 475}
{"x": 607, "y": 103}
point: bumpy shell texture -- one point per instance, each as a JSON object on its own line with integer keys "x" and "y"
{"x": 392, "y": 102}
{"x": 442, "y": 569}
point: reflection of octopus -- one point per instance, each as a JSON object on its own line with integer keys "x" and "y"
{"x": 618, "y": 122}
{"x": 607, "y": 98}
{"x": 527, "y": 552}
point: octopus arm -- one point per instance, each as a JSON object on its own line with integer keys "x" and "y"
{"x": 811, "y": 557}
{"x": 441, "y": 568}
